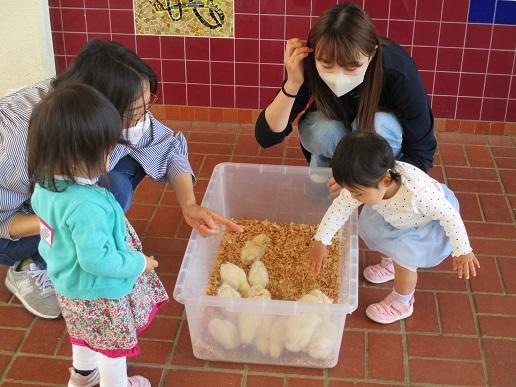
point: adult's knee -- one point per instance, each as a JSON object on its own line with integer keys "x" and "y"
{"x": 320, "y": 135}
{"x": 389, "y": 127}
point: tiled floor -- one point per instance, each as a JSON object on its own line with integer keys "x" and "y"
{"x": 462, "y": 333}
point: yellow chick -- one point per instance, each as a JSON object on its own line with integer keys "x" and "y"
{"x": 254, "y": 249}
{"x": 235, "y": 277}
{"x": 277, "y": 337}
{"x": 258, "y": 292}
{"x": 310, "y": 298}
{"x": 248, "y": 323}
{"x": 226, "y": 290}
{"x": 224, "y": 332}
{"x": 323, "y": 340}
{"x": 261, "y": 240}
{"x": 321, "y": 296}
{"x": 251, "y": 252}
{"x": 263, "y": 332}
{"x": 316, "y": 296}
{"x": 258, "y": 275}
{"x": 299, "y": 331}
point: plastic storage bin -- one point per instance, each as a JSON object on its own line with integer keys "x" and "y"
{"x": 276, "y": 193}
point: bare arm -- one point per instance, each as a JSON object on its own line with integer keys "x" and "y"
{"x": 24, "y": 226}
{"x": 278, "y": 112}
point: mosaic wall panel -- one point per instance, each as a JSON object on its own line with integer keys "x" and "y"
{"x": 184, "y": 17}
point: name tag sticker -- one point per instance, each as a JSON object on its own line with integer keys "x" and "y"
{"x": 46, "y": 232}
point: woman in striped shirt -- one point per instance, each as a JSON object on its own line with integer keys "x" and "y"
{"x": 154, "y": 150}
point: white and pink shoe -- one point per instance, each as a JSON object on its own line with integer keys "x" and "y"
{"x": 138, "y": 381}
{"x": 390, "y": 310}
{"x": 381, "y": 272}
{"x": 93, "y": 379}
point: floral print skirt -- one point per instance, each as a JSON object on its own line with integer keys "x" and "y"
{"x": 111, "y": 327}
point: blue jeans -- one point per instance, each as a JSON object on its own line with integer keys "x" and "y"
{"x": 123, "y": 180}
{"x": 14, "y": 251}
{"x": 320, "y": 135}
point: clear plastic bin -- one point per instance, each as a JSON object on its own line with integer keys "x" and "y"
{"x": 277, "y": 193}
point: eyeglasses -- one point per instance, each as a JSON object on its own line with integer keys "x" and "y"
{"x": 137, "y": 117}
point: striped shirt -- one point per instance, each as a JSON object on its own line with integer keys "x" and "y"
{"x": 162, "y": 153}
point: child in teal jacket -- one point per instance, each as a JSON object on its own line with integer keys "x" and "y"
{"x": 106, "y": 287}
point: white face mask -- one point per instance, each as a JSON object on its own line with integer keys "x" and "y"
{"x": 135, "y": 133}
{"x": 341, "y": 83}
{"x": 338, "y": 81}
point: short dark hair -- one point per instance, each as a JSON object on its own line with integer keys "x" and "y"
{"x": 361, "y": 159}
{"x": 113, "y": 69}
{"x": 74, "y": 125}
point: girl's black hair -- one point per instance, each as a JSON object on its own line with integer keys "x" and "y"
{"x": 114, "y": 70}
{"x": 71, "y": 132}
{"x": 361, "y": 159}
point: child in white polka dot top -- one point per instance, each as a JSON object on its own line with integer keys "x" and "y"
{"x": 407, "y": 215}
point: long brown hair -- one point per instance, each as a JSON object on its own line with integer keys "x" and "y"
{"x": 340, "y": 35}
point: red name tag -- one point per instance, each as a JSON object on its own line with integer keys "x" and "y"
{"x": 46, "y": 232}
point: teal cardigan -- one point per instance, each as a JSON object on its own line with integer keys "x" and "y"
{"x": 83, "y": 242}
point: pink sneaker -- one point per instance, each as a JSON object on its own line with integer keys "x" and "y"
{"x": 389, "y": 310}
{"x": 381, "y": 272}
{"x": 138, "y": 381}
{"x": 78, "y": 380}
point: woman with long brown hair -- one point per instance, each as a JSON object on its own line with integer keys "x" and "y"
{"x": 343, "y": 78}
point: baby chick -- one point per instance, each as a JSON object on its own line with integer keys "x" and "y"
{"x": 235, "y": 277}
{"x": 258, "y": 274}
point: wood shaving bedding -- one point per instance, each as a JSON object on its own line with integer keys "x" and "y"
{"x": 289, "y": 242}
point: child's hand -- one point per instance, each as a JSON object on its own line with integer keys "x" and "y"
{"x": 204, "y": 220}
{"x": 316, "y": 257}
{"x": 151, "y": 264}
{"x": 333, "y": 187}
{"x": 465, "y": 264}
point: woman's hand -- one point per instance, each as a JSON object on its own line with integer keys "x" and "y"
{"x": 464, "y": 264}
{"x": 205, "y": 221}
{"x": 333, "y": 187}
{"x": 315, "y": 260}
{"x": 295, "y": 51}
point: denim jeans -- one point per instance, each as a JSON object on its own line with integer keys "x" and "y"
{"x": 123, "y": 180}
{"x": 14, "y": 251}
{"x": 320, "y": 135}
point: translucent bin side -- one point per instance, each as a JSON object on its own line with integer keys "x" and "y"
{"x": 241, "y": 330}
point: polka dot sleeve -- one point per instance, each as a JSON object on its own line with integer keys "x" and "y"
{"x": 336, "y": 216}
{"x": 432, "y": 203}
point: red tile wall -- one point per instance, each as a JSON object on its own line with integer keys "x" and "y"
{"x": 468, "y": 69}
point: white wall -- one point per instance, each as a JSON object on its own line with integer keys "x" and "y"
{"x": 26, "y": 51}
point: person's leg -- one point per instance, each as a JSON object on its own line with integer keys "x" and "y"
{"x": 27, "y": 277}
{"x": 12, "y": 252}
{"x": 388, "y": 126}
{"x": 84, "y": 372}
{"x": 405, "y": 279}
{"x": 320, "y": 136}
{"x": 113, "y": 373}
{"x": 123, "y": 179}
{"x": 398, "y": 305}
